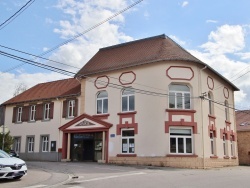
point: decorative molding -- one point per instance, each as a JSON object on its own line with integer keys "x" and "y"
{"x": 121, "y": 125}
{"x": 226, "y": 92}
{"x": 172, "y": 75}
{"x": 103, "y": 83}
{"x": 85, "y": 123}
{"x": 126, "y": 155}
{"x": 210, "y": 82}
{"x": 125, "y": 82}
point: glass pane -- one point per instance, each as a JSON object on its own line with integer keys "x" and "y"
{"x": 186, "y": 132}
{"x": 187, "y": 100}
{"x": 172, "y": 145}
{"x": 180, "y": 145}
{"x": 105, "y": 106}
{"x": 188, "y": 145}
{"x": 99, "y": 106}
{"x": 102, "y": 94}
{"x": 176, "y": 87}
{"x": 131, "y": 103}
{"x": 128, "y": 133}
{"x": 131, "y": 145}
{"x": 171, "y": 100}
{"x": 212, "y": 147}
{"x": 124, "y": 104}
{"x": 124, "y": 146}
{"x": 128, "y": 91}
{"x": 179, "y": 100}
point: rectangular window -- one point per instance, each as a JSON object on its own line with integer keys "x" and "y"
{"x": 232, "y": 146}
{"x": 45, "y": 143}
{"x": 19, "y": 114}
{"x": 32, "y": 112}
{"x": 46, "y": 111}
{"x": 181, "y": 141}
{"x": 31, "y": 143}
{"x": 71, "y": 107}
{"x": 16, "y": 144}
{"x": 212, "y": 142}
{"x": 224, "y": 145}
{"x": 128, "y": 141}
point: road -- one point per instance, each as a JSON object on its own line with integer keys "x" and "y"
{"x": 93, "y": 175}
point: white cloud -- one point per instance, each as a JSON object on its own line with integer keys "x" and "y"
{"x": 176, "y": 39}
{"x": 184, "y": 3}
{"x": 211, "y": 21}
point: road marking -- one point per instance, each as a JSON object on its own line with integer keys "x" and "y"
{"x": 109, "y": 169}
{"x": 36, "y": 186}
{"x": 110, "y": 177}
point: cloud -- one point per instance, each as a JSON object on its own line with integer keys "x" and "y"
{"x": 176, "y": 39}
{"x": 211, "y": 21}
{"x": 184, "y": 3}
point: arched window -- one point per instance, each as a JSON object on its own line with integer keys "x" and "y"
{"x": 102, "y": 102}
{"x": 179, "y": 96}
{"x": 128, "y": 100}
{"x": 226, "y": 110}
{"x": 210, "y": 103}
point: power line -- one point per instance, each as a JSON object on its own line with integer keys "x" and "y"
{"x": 14, "y": 16}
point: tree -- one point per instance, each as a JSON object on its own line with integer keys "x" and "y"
{"x": 21, "y": 87}
{"x": 8, "y": 141}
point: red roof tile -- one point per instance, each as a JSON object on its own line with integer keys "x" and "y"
{"x": 243, "y": 120}
{"x": 139, "y": 52}
{"x": 49, "y": 90}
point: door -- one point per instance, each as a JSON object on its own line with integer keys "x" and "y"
{"x": 88, "y": 150}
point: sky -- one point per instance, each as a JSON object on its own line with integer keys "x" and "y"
{"x": 216, "y": 32}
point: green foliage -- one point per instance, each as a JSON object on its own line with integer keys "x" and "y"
{"x": 8, "y": 141}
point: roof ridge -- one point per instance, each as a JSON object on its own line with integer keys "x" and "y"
{"x": 134, "y": 41}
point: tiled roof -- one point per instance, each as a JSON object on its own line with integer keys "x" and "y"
{"x": 139, "y": 52}
{"x": 47, "y": 91}
{"x": 243, "y": 120}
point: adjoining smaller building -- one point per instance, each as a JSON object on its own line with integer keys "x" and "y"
{"x": 243, "y": 136}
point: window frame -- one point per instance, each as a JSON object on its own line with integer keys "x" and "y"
{"x": 128, "y": 141}
{"x": 176, "y": 95}
{"x": 45, "y": 143}
{"x": 19, "y": 114}
{"x": 127, "y": 97}
{"x": 184, "y": 137}
{"x": 212, "y": 143}
{"x": 102, "y": 99}
{"x": 232, "y": 146}
{"x": 46, "y": 111}
{"x": 224, "y": 144}
{"x": 210, "y": 103}
{"x": 71, "y": 108}
{"x": 17, "y": 144}
{"x": 32, "y": 113}
{"x": 30, "y": 144}
{"x": 226, "y": 110}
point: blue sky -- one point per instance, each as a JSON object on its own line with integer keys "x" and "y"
{"x": 217, "y": 32}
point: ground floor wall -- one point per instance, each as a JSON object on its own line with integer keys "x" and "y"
{"x": 41, "y": 156}
{"x": 178, "y": 162}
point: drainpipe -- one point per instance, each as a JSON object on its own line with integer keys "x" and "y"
{"x": 200, "y": 91}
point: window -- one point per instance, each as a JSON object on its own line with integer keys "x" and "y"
{"x": 32, "y": 112}
{"x": 212, "y": 142}
{"x": 224, "y": 145}
{"x": 232, "y": 145}
{"x": 45, "y": 143}
{"x": 30, "y": 144}
{"x": 226, "y": 111}
{"x": 128, "y": 100}
{"x": 179, "y": 96}
{"x": 102, "y": 102}
{"x": 46, "y": 111}
{"x": 71, "y": 107}
{"x": 19, "y": 114}
{"x": 128, "y": 141}
{"x": 180, "y": 141}
{"x": 16, "y": 144}
{"x": 210, "y": 103}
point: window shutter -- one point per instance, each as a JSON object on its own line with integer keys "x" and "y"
{"x": 14, "y": 115}
{"x": 64, "y": 112}
{"x": 51, "y": 111}
{"x": 25, "y": 113}
{"x": 39, "y": 112}
{"x": 76, "y": 108}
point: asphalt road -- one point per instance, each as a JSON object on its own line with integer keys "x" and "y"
{"x": 93, "y": 175}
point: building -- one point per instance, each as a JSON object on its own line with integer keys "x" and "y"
{"x": 33, "y": 118}
{"x": 149, "y": 102}
{"x": 243, "y": 136}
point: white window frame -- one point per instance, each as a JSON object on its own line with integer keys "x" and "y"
{"x": 212, "y": 143}
{"x": 46, "y": 111}
{"x": 71, "y": 108}
{"x": 224, "y": 145}
{"x": 32, "y": 112}
{"x": 130, "y": 144}
{"x": 17, "y": 144}
{"x": 102, "y": 99}
{"x": 226, "y": 110}
{"x": 45, "y": 143}
{"x": 184, "y": 137}
{"x": 19, "y": 114}
{"x": 210, "y": 103}
{"x": 232, "y": 146}
{"x": 177, "y": 95}
{"x": 127, "y": 97}
{"x": 31, "y": 143}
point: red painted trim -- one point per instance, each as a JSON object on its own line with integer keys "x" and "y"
{"x": 226, "y": 157}
{"x": 226, "y": 95}
{"x": 172, "y": 112}
{"x": 180, "y": 78}
{"x": 59, "y": 150}
{"x": 228, "y": 123}
{"x": 211, "y": 116}
{"x": 127, "y": 113}
{"x": 208, "y": 83}
{"x": 212, "y": 127}
{"x": 176, "y": 155}
{"x": 126, "y": 155}
{"x": 234, "y": 157}
{"x": 106, "y": 146}
{"x": 64, "y": 146}
{"x": 120, "y": 80}
{"x": 104, "y": 86}
{"x": 101, "y": 116}
{"x": 214, "y": 157}
{"x": 122, "y": 125}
